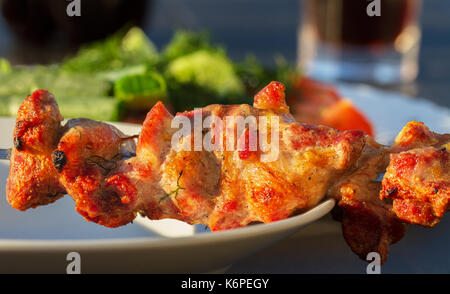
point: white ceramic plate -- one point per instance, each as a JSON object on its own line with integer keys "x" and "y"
{"x": 39, "y": 240}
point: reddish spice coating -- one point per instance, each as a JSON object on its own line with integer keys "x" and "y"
{"x": 33, "y": 180}
{"x": 419, "y": 182}
{"x": 229, "y": 206}
{"x": 415, "y": 212}
{"x": 125, "y": 188}
{"x": 271, "y": 201}
{"x": 246, "y": 151}
{"x": 415, "y": 134}
{"x": 272, "y": 97}
{"x": 404, "y": 163}
{"x": 307, "y": 135}
{"x": 152, "y": 126}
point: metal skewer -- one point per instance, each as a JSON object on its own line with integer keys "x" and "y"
{"x": 5, "y": 154}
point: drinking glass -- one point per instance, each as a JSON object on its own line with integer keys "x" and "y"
{"x": 375, "y": 41}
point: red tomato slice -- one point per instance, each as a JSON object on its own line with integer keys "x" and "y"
{"x": 344, "y": 116}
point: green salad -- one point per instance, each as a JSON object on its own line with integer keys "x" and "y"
{"x": 126, "y": 72}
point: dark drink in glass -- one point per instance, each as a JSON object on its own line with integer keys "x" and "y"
{"x": 360, "y": 40}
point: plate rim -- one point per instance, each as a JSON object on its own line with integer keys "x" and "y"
{"x": 299, "y": 221}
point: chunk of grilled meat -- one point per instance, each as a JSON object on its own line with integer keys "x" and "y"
{"x": 33, "y": 180}
{"x": 418, "y": 179}
{"x": 368, "y": 223}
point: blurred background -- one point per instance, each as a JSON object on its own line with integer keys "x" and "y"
{"x": 260, "y": 27}
{"x": 41, "y": 32}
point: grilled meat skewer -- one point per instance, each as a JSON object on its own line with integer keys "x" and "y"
{"x": 228, "y": 188}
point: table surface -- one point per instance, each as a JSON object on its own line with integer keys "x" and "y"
{"x": 266, "y": 27}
